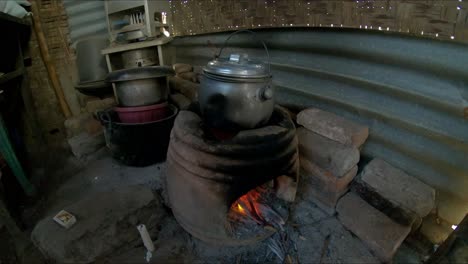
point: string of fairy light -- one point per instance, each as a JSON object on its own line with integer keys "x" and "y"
{"x": 196, "y": 16}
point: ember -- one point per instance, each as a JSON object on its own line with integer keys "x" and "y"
{"x": 257, "y": 209}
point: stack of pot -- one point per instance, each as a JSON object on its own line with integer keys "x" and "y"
{"x": 141, "y": 93}
{"x": 138, "y": 129}
{"x": 141, "y": 88}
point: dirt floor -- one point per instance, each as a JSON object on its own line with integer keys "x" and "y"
{"x": 315, "y": 237}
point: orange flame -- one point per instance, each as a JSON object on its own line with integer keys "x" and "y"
{"x": 240, "y": 209}
{"x": 248, "y": 203}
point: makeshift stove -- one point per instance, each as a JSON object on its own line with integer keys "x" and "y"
{"x": 232, "y": 191}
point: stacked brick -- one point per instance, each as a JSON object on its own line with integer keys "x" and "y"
{"x": 329, "y": 153}
{"x": 384, "y": 205}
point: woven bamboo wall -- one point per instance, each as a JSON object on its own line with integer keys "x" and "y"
{"x": 55, "y": 25}
{"x": 441, "y": 19}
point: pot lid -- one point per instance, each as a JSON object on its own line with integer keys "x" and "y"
{"x": 147, "y": 72}
{"x": 238, "y": 65}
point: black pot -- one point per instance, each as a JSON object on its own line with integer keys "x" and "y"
{"x": 140, "y": 144}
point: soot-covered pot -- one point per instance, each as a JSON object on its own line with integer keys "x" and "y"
{"x": 236, "y": 92}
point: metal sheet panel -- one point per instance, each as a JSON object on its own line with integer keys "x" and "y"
{"x": 412, "y": 93}
{"x": 86, "y": 18}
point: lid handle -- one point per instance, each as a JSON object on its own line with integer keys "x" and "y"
{"x": 255, "y": 36}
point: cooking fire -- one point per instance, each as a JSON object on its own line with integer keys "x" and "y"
{"x": 258, "y": 209}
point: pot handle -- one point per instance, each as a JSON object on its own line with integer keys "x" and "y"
{"x": 255, "y": 36}
{"x": 103, "y": 116}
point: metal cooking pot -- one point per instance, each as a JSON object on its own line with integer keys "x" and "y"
{"x": 236, "y": 92}
{"x": 141, "y": 86}
{"x": 140, "y": 58}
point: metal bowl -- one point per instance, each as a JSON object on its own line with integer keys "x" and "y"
{"x": 141, "y": 86}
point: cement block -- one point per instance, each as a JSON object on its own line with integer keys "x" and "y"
{"x": 330, "y": 155}
{"x": 400, "y": 196}
{"x": 333, "y": 127}
{"x": 380, "y": 233}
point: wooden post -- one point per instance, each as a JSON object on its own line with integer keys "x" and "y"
{"x": 44, "y": 49}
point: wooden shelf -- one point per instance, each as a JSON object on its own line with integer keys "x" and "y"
{"x": 136, "y": 45}
{"x": 4, "y": 17}
{"x": 11, "y": 75}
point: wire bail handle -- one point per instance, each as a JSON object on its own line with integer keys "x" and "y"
{"x": 255, "y": 37}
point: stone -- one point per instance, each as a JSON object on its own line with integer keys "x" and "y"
{"x": 333, "y": 127}
{"x": 106, "y": 223}
{"x": 182, "y": 67}
{"x": 323, "y": 187}
{"x": 380, "y": 233}
{"x": 400, "y": 196}
{"x": 180, "y": 100}
{"x": 330, "y": 155}
{"x": 85, "y": 144}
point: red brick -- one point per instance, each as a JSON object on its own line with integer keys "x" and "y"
{"x": 181, "y": 68}
{"x": 323, "y": 186}
{"x": 189, "y": 76}
{"x": 93, "y": 126}
{"x": 327, "y": 154}
{"x": 400, "y": 196}
{"x": 380, "y": 233}
{"x": 333, "y": 127}
{"x": 180, "y": 100}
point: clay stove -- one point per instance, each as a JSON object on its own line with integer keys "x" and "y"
{"x": 213, "y": 182}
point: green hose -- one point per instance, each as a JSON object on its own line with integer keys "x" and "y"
{"x": 9, "y": 155}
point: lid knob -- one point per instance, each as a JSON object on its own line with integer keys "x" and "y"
{"x": 234, "y": 57}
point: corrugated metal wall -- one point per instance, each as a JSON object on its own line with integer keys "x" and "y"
{"x": 411, "y": 92}
{"x": 85, "y": 18}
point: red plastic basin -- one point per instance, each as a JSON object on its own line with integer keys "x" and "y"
{"x": 143, "y": 114}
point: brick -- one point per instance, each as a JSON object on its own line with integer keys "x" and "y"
{"x": 96, "y": 104}
{"x": 330, "y": 155}
{"x": 333, "y": 127}
{"x": 400, "y": 196}
{"x": 93, "y": 127}
{"x": 84, "y": 144}
{"x": 82, "y": 123}
{"x": 76, "y": 124}
{"x": 380, "y": 233}
{"x": 189, "y": 76}
{"x": 322, "y": 186}
{"x": 187, "y": 88}
{"x": 181, "y": 68}
{"x": 180, "y": 100}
